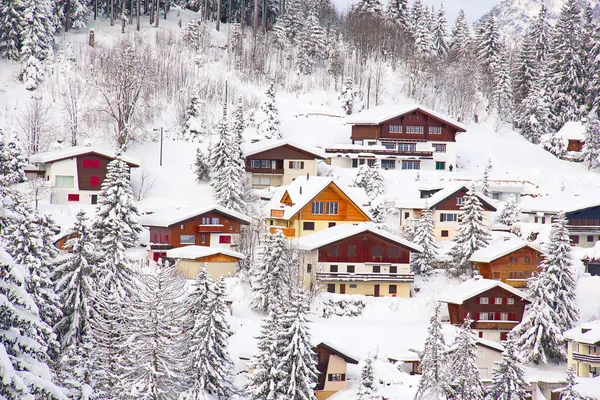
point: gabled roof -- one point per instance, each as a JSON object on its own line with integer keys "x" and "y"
{"x": 192, "y": 252}
{"x": 590, "y": 336}
{"x": 269, "y": 144}
{"x": 172, "y": 216}
{"x": 421, "y": 204}
{"x": 339, "y": 232}
{"x": 335, "y": 351}
{"x": 70, "y": 152}
{"x": 380, "y": 114}
{"x": 572, "y": 130}
{"x": 555, "y": 203}
{"x": 302, "y": 190}
{"x": 501, "y": 247}
{"x": 471, "y": 288}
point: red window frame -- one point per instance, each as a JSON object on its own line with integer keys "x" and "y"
{"x": 94, "y": 181}
{"x": 225, "y": 239}
{"x": 72, "y": 197}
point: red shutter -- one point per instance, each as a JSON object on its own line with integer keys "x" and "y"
{"x": 291, "y": 164}
{"x": 95, "y": 163}
{"x": 505, "y": 300}
{"x": 497, "y": 318}
{"x": 512, "y": 316}
{"x": 477, "y": 300}
{"x": 94, "y": 181}
{"x": 73, "y": 197}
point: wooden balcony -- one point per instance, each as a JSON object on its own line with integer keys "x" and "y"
{"x": 277, "y": 213}
{"x": 287, "y": 232}
{"x": 574, "y": 229}
{"x": 364, "y": 277}
{"x": 495, "y": 325}
{"x": 210, "y": 229}
{"x": 589, "y": 358}
{"x": 516, "y": 283}
{"x": 265, "y": 171}
{"x": 383, "y": 152}
{"x": 160, "y": 246}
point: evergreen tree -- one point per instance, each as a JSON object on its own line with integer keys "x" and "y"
{"x": 467, "y": 381}
{"x": 194, "y": 124}
{"x": 347, "y": 96}
{"x": 362, "y": 177}
{"x": 569, "y": 392}
{"x": 237, "y": 130}
{"x": 373, "y": 7}
{"x": 221, "y": 150}
{"x": 268, "y": 273}
{"x": 270, "y": 128}
{"x": 202, "y": 167}
{"x": 397, "y": 12}
{"x": 485, "y": 186}
{"x": 378, "y": 209}
{"x": 11, "y": 28}
{"x": 435, "y": 379}
{"x": 375, "y": 185}
{"x": 263, "y": 381}
{"x": 366, "y": 385}
{"x": 460, "y": 40}
{"x": 422, "y": 263}
{"x": 420, "y": 29}
{"x": 510, "y": 214}
{"x": 24, "y": 369}
{"x": 73, "y": 14}
{"x": 37, "y": 40}
{"x": 502, "y": 90}
{"x": 312, "y": 44}
{"x": 542, "y": 36}
{"x": 440, "y": 43}
{"x": 591, "y": 146}
{"x": 555, "y": 144}
{"x": 472, "y": 233}
{"x": 533, "y": 114}
{"x": 508, "y": 378}
{"x": 526, "y": 69}
{"x": 12, "y": 162}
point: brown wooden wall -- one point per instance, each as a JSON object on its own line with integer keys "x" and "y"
{"x": 85, "y": 174}
{"x": 285, "y": 152}
{"x": 278, "y": 167}
{"x": 574, "y": 145}
{"x": 361, "y": 132}
{"x": 450, "y": 203}
{"x": 347, "y": 211}
{"x": 501, "y": 268}
{"x": 217, "y": 258}
{"x": 365, "y": 243}
{"x": 159, "y": 235}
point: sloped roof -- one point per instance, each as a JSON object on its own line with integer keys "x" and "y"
{"x": 192, "y": 252}
{"x": 172, "y": 216}
{"x": 501, "y": 247}
{"x": 471, "y": 288}
{"x": 269, "y": 144}
{"x": 70, "y": 152}
{"x": 453, "y": 187}
{"x": 335, "y": 351}
{"x": 380, "y": 114}
{"x": 572, "y": 130}
{"x": 343, "y": 231}
{"x": 558, "y": 202}
{"x": 591, "y": 336}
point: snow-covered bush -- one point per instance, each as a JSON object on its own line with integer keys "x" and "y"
{"x": 555, "y": 144}
{"x": 340, "y": 308}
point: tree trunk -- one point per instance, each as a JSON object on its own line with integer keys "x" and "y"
{"x": 242, "y": 14}
{"x": 218, "y": 15}
{"x": 255, "y": 22}
{"x": 123, "y": 23}
{"x": 152, "y": 12}
{"x": 67, "y": 18}
{"x": 95, "y": 9}
{"x": 112, "y": 12}
{"x": 157, "y": 13}
{"x": 229, "y": 12}
{"x": 138, "y": 15}
{"x": 131, "y": 8}
{"x": 264, "y": 15}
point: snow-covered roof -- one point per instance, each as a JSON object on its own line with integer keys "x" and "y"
{"x": 501, "y": 247}
{"x": 585, "y": 333}
{"x": 589, "y": 387}
{"x": 491, "y": 344}
{"x": 572, "y": 130}
{"x": 172, "y": 216}
{"x": 591, "y": 253}
{"x": 268, "y": 144}
{"x": 380, "y": 114}
{"x": 418, "y": 203}
{"x": 555, "y": 203}
{"x": 471, "y": 288}
{"x": 339, "y": 232}
{"x": 302, "y": 190}
{"x": 70, "y": 152}
{"x": 192, "y": 252}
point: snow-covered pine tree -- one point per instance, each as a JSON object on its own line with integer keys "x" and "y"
{"x": 312, "y": 44}
{"x": 525, "y": 71}
{"x": 420, "y": 29}
{"x": 373, "y": 7}
{"x": 201, "y": 167}
{"x": 589, "y": 35}
{"x": 270, "y": 128}
{"x": 542, "y": 33}
{"x": 37, "y": 39}
{"x": 230, "y": 185}
{"x": 375, "y": 184}
{"x": 293, "y": 20}
{"x": 221, "y": 150}
{"x": 510, "y": 214}
{"x": 347, "y": 96}
{"x": 12, "y": 162}
{"x": 485, "y": 186}
{"x": 267, "y": 273}
{"x": 467, "y": 381}
{"x": 24, "y": 370}
{"x": 238, "y": 126}
{"x": 11, "y": 29}
{"x": 460, "y": 40}
{"x": 377, "y": 207}
{"x": 211, "y": 365}
{"x": 591, "y": 146}
{"x": 397, "y": 12}
{"x": 422, "y": 263}
{"x": 502, "y": 90}
{"x": 435, "y": 379}
{"x": 362, "y": 177}
{"x": 569, "y": 392}
{"x": 533, "y": 115}
{"x": 508, "y": 378}
{"x": 555, "y": 144}
{"x": 158, "y": 368}
{"x": 440, "y": 42}
{"x": 472, "y": 233}
{"x": 194, "y": 124}
{"x": 366, "y": 385}
{"x": 262, "y": 383}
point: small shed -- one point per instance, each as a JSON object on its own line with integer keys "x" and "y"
{"x": 574, "y": 132}
{"x": 218, "y": 261}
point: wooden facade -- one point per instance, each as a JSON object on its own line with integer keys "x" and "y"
{"x": 513, "y": 268}
{"x": 366, "y": 247}
{"x": 347, "y": 210}
{"x": 451, "y": 203}
{"x": 279, "y": 154}
{"x": 331, "y": 370}
{"x": 575, "y": 145}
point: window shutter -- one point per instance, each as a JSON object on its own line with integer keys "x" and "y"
{"x": 505, "y": 300}
{"x": 441, "y": 217}
{"x": 512, "y": 316}
{"x": 497, "y": 317}
{"x": 302, "y": 164}
{"x": 478, "y": 300}
{"x": 329, "y": 377}
{"x": 343, "y": 377}
{"x": 291, "y": 164}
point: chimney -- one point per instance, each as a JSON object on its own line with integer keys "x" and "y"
{"x": 506, "y": 238}
{"x": 307, "y": 175}
{"x": 300, "y": 190}
{"x": 477, "y": 277}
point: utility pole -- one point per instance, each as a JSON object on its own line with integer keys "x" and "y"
{"x": 161, "y": 145}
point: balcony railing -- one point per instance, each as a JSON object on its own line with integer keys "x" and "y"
{"x": 277, "y": 213}
{"x": 583, "y": 229}
{"x": 160, "y": 246}
{"x": 516, "y": 283}
{"x": 383, "y": 152}
{"x": 496, "y": 325}
{"x": 210, "y": 228}
{"x": 265, "y": 171}
{"x": 287, "y": 232}
{"x": 589, "y": 358}
{"x": 364, "y": 277}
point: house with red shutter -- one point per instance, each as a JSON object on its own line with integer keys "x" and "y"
{"x": 495, "y": 307}
{"x": 75, "y": 173}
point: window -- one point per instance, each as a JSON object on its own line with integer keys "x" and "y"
{"x": 393, "y": 289}
{"x": 203, "y": 239}
{"x": 94, "y": 181}
{"x": 64, "y": 181}
{"x": 225, "y": 239}
{"x": 331, "y": 224}
{"x": 388, "y": 164}
{"x": 371, "y": 163}
{"x": 336, "y": 377}
{"x": 353, "y": 286}
{"x": 483, "y": 316}
{"x": 332, "y": 207}
{"x": 479, "y": 354}
{"x": 414, "y": 129}
{"x": 484, "y": 300}
{"x": 376, "y": 269}
{"x": 440, "y": 165}
{"x": 498, "y": 300}
{"x": 460, "y": 201}
{"x": 393, "y": 270}
{"x": 308, "y": 226}
{"x": 448, "y": 217}
{"x": 333, "y": 268}
{"x": 215, "y": 221}
{"x": 543, "y": 220}
{"x": 308, "y": 267}
{"x": 527, "y": 260}
{"x": 510, "y": 300}
{"x": 574, "y": 239}
{"x": 480, "y": 334}
{"x": 435, "y": 130}
{"x": 590, "y": 238}
{"x": 317, "y": 207}
{"x": 187, "y": 239}
{"x": 355, "y": 163}
{"x": 389, "y": 145}
{"x": 395, "y": 128}
{"x": 536, "y": 220}
{"x": 72, "y": 197}
{"x": 392, "y": 252}
{"x": 377, "y": 252}
{"x": 182, "y": 226}
{"x": 504, "y": 316}
{"x": 331, "y": 287}
{"x": 411, "y": 164}
{"x": 439, "y": 148}
{"x": 496, "y": 196}
{"x": 267, "y": 164}
{"x": 255, "y": 163}
{"x": 91, "y": 163}
{"x": 261, "y": 181}
{"x": 333, "y": 251}
{"x": 410, "y": 147}
{"x": 513, "y": 260}
{"x": 94, "y": 199}
{"x": 350, "y": 269}
{"x": 352, "y": 251}
{"x": 444, "y": 233}
{"x": 296, "y": 164}
{"x": 205, "y": 220}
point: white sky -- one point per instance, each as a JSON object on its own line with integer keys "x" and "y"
{"x": 473, "y": 8}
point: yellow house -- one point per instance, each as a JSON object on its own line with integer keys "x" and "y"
{"x": 313, "y": 203}
{"x": 583, "y": 349}
{"x": 218, "y": 261}
{"x": 332, "y": 366}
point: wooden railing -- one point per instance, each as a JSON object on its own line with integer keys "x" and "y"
{"x": 277, "y": 213}
{"x": 498, "y": 325}
{"x": 370, "y": 277}
{"x": 210, "y": 228}
{"x": 265, "y": 171}
{"x": 590, "y": 358}
{"x": 388, "y": 152}
{"x": 287, "y": 232}
{"x": 516, "y": 283}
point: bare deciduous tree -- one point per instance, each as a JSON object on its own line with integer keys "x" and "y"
{"x": 144, "y": 186}
{"x": 72, "y": 98}
{"x": 36, "y": 125}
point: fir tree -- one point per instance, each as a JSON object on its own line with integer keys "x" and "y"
{"x": 221, "y": 150}
{"x": 510, "y": 214}
{"x": 12, "y": 162}
{"x": 202, "y": 167}
{"x": 347, "y": 96}
{"x": 372, "y": 7}
{"x": 270, "y": 128}
{"x": 569, "y": 392}
{"x": 263, "y": 382}
{"x": 435, "y": 379}
{"x": 375, "y": 184}
{"x": 591, "y": 146}
{"x": 268, "y": 271}
{"x": 194, "y": 125}
{"x": 460, "y": 40}
{"x": 467, "y": 381}
{"x": 440, "y": 43}
{"x": 397, "y": 12}
{"x": 555, "y": 144}
{"x": 25, "y": 373}
{"x": 472, "y": 233}
{"x": 542, "y": 36}
{"x": 533, "y": 114}
{"x": 485, "y": 186}
{"x": 420, "y": 29}
{"x": 502, "y": 90}
{"x": 422, "y": 263}
{"x": 237, "y": 131}
{"x": 508, "y": 378}
{"x": 526, "y": 69}
{"x": 37, "y": 40}
{"x": 362, "y": 177}
{"x": 366, "y": 385}
{"x": 312, "y": 44}
{"x": 377, "y": 206}
{"x": 11, "y": 29}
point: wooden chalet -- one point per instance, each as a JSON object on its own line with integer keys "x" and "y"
{"x": 508, "y": 259}
{"x": 495, "y": 307}
{"x": 209, "y": 226}
{"x": 332, "y": 367}
{"x": 358, "y": 259}
{"x": 218, "y": 261}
